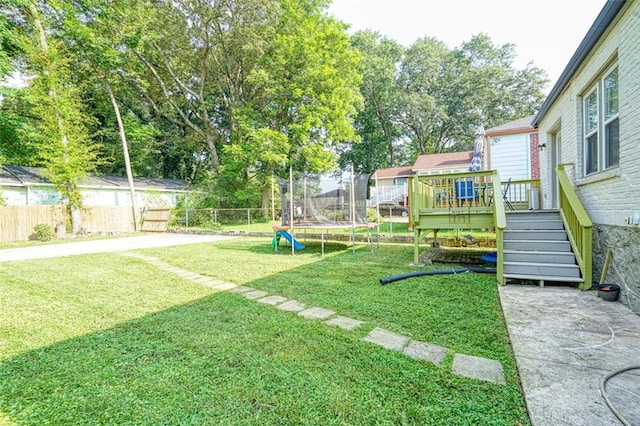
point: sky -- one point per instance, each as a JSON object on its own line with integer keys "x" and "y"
{"x": 544, "y": 32}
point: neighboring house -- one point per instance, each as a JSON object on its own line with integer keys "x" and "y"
{"x": 391, "y": 183}
{"x": 28, "y": 186}
{"x": 512, "y": 150}
{"x": 590, "y": 122}
{"x": 393, "y": 176}
{"x": 449, "y": 162}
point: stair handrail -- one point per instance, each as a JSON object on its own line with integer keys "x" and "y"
{"x": 577, "y": 224}
{"x": 387, "y": 194}
{"x": 500, "y": 221}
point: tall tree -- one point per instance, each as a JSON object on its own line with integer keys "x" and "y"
{"x": 298, "y": 101}
{"x": 64, "y": 144}
{"x": 18, "y": 141}
{"x": 310, "y": 78}
{"x": 198, "y": 56}
{"x": 376, "y": 123}
{"x": 93, "y": 37}
{"x": 427, "y": 69}
{"x": 447, "y": 94}
{"x": 8, "y": 42}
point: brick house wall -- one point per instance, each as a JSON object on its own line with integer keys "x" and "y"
{"x": 611, "y": 196}
{"x": 535, "y": 158}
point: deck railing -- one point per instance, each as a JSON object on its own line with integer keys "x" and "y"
{"x": 446, "y": 191}
{"x": 480, "y": 197}
{"x": 520, "y": 192}
{"x": 577, "y": 224}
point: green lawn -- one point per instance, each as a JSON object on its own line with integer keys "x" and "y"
{"x": 108, "y": 339}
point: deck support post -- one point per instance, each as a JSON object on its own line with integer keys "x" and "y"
{"x": 416, "y": 248}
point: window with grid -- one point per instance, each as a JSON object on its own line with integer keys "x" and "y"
{"x": 601, "y": 124}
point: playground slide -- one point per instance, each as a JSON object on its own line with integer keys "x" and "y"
{"x": 288, "y": 237}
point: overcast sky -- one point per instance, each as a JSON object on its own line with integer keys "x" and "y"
{"x": 545, "y": 32}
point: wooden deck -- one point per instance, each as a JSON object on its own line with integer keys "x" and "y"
{"x": 479, "y": 200}
{"x": 468, "y": 200}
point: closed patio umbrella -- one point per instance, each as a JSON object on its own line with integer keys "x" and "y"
{"x": 478, "y": 146}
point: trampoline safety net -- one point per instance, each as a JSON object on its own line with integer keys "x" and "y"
{"x": 325, "y": 200}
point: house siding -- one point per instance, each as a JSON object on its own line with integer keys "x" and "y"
{"x": 612, "y": 196}
{"x": 510, "y": 156}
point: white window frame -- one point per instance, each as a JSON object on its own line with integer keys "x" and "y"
{"x": 602, "y": 125}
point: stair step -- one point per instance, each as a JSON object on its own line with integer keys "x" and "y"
{"x": 542, "y": 269}
{"x": 543, "y": 278}
{"x": 538, "y": 256}
{"x": 538, "y": 234}
{"x": 537, "y": 245}
{"x": 524, "y": 213}
{"x": 535, "y": 224}
{"x": 536, "y": 248}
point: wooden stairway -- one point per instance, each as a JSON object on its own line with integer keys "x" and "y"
{"x": 536, "y": 248}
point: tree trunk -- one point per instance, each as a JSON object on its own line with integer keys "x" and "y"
{"x": 127, "y": 162}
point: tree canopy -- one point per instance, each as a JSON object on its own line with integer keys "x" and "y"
{"x": 225, "y": 94}
{"x": 428, "y": 99}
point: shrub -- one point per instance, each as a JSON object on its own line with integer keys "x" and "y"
{"x": 43, "y": 232}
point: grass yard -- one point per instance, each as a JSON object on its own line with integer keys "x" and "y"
{"x": 109, "y": 339}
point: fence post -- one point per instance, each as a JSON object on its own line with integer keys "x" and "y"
{"x": 186, "y": 218}
{"x": 248, "y": 220}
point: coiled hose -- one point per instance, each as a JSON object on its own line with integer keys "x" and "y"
{"x": 603, "y": 391}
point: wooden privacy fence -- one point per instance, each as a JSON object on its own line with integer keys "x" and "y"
{"x": 17, "y": 222}
{"x": 156, "y": 219}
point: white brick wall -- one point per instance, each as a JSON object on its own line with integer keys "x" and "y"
{"x": 613, "y": 195}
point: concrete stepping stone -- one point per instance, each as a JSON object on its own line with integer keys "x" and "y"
{"x": 426, "y": 351}
{"x": 272, "y": 300}
{"x": 316, "y": 313}
{"x": 475, "y": 367}
{"x": 204, "y": 280}
{"x": 242, "y": 289}
{"x": 174, "y": 269}
{"x": 255, "y": 294}
{"x": 216, "y": 284}
{"x": 221, "y": 285}
{"x": 188, "y": 275}
{"x": 292, "y": 306}
{"x": 344, "y": 322}
{"x": 386, "y": 339}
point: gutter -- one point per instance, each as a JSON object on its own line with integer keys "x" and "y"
{"x": 599, "y": 27}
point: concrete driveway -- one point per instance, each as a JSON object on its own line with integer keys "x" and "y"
{"x": 107, "y": 245}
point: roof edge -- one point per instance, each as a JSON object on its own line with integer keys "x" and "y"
{"x": 520, "y": 131}
{"x": 8, "y": 170}
{"x": 608, "y": 13}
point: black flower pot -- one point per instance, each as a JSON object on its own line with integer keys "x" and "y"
{"x": 608, "y": 292}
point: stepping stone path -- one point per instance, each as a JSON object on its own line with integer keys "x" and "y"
{"x": 344, "y": 322}
{"x": 426, "y": 351}
{"x": 386, "y": 339}
{"x": 463, "y": 365}
{"x": 272, "y": 300}
{"x": 316, "y": 313}
{"x": 292, "y": 306}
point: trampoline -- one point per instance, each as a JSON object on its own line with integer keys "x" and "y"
{"x": 334, "y": 201}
